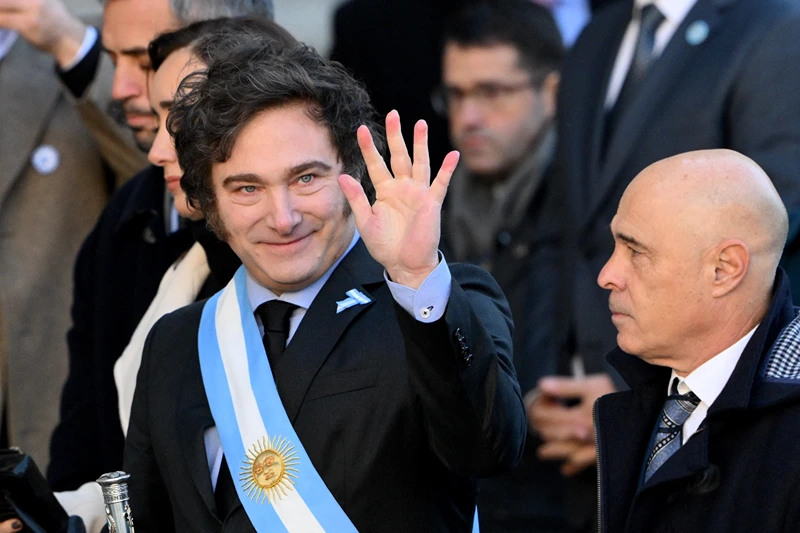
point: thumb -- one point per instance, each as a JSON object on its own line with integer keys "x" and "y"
{"x": 356, "y": 198}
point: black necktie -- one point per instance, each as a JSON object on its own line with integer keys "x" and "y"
{"x": 643, "y": 58}
{"x": 275, "y": 316}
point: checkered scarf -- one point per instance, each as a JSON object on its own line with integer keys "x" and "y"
{"x": 783, "y": 361}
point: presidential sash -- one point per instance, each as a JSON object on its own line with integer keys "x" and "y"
{"x": 277, "y": 484}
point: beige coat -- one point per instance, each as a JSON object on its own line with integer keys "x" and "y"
{"x": 46, "y": 211}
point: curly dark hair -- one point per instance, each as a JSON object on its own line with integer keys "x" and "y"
{"x": 213, "y": 107}
{"x": 209, "y": 39}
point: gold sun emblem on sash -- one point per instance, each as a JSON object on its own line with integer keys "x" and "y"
{"x": 269, "y": 470}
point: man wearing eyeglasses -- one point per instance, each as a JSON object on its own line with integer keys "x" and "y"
{"x": 499, "y": 79}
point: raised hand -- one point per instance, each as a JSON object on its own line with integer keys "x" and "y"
{"x": 46, "y": 24}
{"x": 401, "y": 229}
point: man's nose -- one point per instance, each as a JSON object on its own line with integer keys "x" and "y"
{"x": 283, "y": 216}
{"x": 126, "y": 83}
{"x": 469, "y": 113}
{"x": 610, "y": 276}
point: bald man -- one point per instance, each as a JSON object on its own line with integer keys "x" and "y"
{"x": 706, "y": 439}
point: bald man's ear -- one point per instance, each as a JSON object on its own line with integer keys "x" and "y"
{"x": 731, "y": 262}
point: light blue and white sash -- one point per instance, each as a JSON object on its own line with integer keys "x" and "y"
{"x": 277, "y": 484}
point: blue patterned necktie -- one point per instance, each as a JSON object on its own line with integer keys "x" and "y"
{"x": 669, "y": 436}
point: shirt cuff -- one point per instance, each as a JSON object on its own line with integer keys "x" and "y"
{"x": 89, "y": 38}
{"x": 84, "y": 65}
{"x": 429, "y": 302}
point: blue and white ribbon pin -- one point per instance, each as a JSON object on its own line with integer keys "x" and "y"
{"x": 354, "y": 298}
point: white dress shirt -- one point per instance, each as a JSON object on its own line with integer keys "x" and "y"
{"x": 571, "y": 17}
{"x": 426, "y": 304}
{"x": 707, "y": 382}
{"x": 7, "y": 40}
{"x": 674, "y": 12}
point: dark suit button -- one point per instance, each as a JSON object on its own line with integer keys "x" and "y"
{"x": 504, "y": 238}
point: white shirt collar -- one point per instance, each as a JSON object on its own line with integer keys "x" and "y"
{"x": 258, "y": 294}
{"x": 7, "y": 40}
{"x": 708, "y": 380}
{"x": 673, "y": 10}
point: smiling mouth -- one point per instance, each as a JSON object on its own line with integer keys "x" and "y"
{"x": 287, "y": 244}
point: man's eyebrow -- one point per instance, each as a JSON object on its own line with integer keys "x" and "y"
{"x": 249, "y": 177}
{"x": 629, "y": 240}
{"x": 246, "y": 177}
{"x": 136, "y": 52}
{"x": 308, "y": 165}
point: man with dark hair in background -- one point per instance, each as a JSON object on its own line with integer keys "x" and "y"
{"x": 353, "y": 379}
{"x": 500, "y": 66}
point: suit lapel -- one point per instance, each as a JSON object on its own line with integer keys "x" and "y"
{"x": 322, "y": 327}
{"x": 626, "y": 420}
{"x": 601, "y": 69}
{"x": 666, "y": 72}
{"x": 28, "y": 93}
{"x": 195, "y": 417}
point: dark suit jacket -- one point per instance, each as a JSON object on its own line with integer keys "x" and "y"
{"x": 734, "y": 90}
{"x": 117, "y": 274}
{"x": 738, "y": 473}
{"x": 396, "y": 415}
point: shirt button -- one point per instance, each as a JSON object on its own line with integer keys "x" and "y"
{"x": 426, "y": 313}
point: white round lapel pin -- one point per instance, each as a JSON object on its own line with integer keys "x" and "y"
{"x": 697, "y": 32}
{"x": 45, "y": 159}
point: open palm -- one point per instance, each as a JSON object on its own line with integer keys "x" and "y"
{"x": 401, "y": 229}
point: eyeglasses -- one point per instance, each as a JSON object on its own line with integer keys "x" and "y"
{"x": 487, "y": 96}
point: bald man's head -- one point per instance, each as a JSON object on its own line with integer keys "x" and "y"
{"x": 698, "y": 238}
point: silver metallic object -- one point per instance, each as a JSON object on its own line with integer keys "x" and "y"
{"x": 115, "y": 497}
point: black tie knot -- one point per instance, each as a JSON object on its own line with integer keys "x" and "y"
{"x": 275, "y": 316}
{"x": 651, "y": 19}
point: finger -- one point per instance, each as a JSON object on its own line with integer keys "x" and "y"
{"x": 357, "y": 199}
{"x": 13, "y": 20}
{"x": 376, "y": 166}
{"x": 558, "y": 423}
{"x": 581, "y": 459}
{"x": 15, "y": 5}
{"x": 400, "y": 161}
{"x": 421, "y": 170}
{"x": 587, "y": 388}
{"x": 564, "y": 432}
{"x": 10, "y": 526}
{"x": 563, "y": 387}
{"x": 548, "y": 410}
{"x": 557, "y": 451}
{"x": 442, "y": 181}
